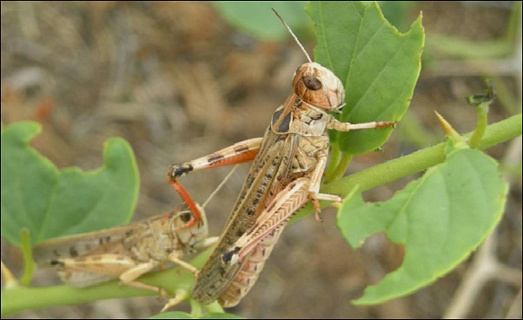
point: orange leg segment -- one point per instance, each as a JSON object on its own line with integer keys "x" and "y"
{"x": 240, "y": 152}
{"x": 190, "y": 203}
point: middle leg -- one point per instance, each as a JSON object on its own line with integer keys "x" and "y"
{"x": 315, "y": 182}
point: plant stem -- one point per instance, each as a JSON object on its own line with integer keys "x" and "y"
{"x": 24, "y": 298}
{"x": 420, "y": 160}
{"x": 27, "y": 253}
{"x": 214, "y": 308}
{"x": 341, "y": 168}
{"x": 196, "y": 308}
{"x": 481, "y": 126}
{"x": 333, "y": 161}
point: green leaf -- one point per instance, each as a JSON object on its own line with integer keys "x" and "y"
{"x": 378, "y": 65}
{"x": 440, "y": 219}
{"x": 257, "y": 18}
{"x": 397, "y": 12}
{"x": 51, "y": 203}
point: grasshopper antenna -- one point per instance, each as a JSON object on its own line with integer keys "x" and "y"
{"x": 220, "y": 186}
{"x": 292, "y": 34}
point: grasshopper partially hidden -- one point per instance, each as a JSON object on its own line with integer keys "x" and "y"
{"x": 288, "y": 163}
{"x": 128, "y": 252}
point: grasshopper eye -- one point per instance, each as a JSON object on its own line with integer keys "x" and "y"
{"x": 56, "y": 263}
{"x": 312, "y": 82}
{"x": 185, "y": 216}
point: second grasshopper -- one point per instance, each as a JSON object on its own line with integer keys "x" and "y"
{"x": 128, "y": 252}
{"x": 288, "y": 164}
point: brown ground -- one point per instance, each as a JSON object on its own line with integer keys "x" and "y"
{"x": 178, "y": 82}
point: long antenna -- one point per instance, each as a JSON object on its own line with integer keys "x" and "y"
{"x": 293, "y": 35}
{"x": 220, "y": 186}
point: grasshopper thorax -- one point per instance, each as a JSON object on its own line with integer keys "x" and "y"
{"x": 319, "y": 87}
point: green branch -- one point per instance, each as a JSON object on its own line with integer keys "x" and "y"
{"x": 334, "y": 160}
{"x": 340, "y": 169}
{"x": 418, "y": 161}
{"x": 21, "y": 298}
{"x": 27, "y": 253}
{"x": 24, "y": 298}
{"x": 421, "y": 160}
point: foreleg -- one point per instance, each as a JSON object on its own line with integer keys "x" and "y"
{"x": 334, "y": 124}
{"x": 240, "y": 152}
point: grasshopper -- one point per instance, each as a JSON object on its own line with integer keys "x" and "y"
{"x": 128, "y": 252}
{"x": 288, "y": 164}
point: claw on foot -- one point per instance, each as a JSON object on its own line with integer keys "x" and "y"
{"x": 317, "y": 216}
{"x": 181, "y": 295}
{"x": 164, "y": 294}
{"x": 317, "y": 209}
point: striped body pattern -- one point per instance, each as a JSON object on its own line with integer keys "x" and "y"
{"x": 125, "y": 252}
{"x": 288, "y": 164}
{"x": 287, "y": 169}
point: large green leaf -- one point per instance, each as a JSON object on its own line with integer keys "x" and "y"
{"x": 257, "y": 18}
{"x": 439, "y": 218}
{"x": 51, "y": 202}
{"x": 378, "y": 65}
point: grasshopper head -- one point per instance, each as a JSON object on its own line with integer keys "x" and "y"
{"x": 191, "y": 231}
{"x": 319, "y": 87}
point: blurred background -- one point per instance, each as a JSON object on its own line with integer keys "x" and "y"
{"x": 181, "y": 80}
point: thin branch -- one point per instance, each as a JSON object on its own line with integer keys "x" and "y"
{"x": 421, "y": 160}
